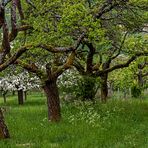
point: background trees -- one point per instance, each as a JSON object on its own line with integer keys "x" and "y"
{"x": 119, "y": 33}
{"x": 21, "y": 82}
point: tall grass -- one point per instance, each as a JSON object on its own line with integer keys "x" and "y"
{"x": 117, "y": 124}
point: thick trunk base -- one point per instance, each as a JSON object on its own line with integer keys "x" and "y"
{"x": 104, "y": 88}
{"x": 4, "y": 133}
{"x": 53, "y": 101}
{"x": 104, "y": 94}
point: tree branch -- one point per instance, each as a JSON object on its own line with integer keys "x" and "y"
{"x": 14, "y": 57}
{"x": 2, "y": 15}
{"x": 55, "y": 49}
{"x": 31, "y": 3}
{"x": 79, "y": 67}
{"x": 31, "y": 68}
{"x": 62, "y": 49}
{"x": 19, "y": 7}
{"x": 108, "y": 6}
{"x": 67, "y": 65}
{"x": 70, "y": 58}
{"x": 126, "y": 64}
{"x": 14, "y": 30}
{"x": 145, "y": 74}
{"x": 121, "y": 45}
{"x": 5, "y": 2}
{"x": 24, "y": 28}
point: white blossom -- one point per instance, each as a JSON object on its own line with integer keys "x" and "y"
{"x": 22, "y": 81}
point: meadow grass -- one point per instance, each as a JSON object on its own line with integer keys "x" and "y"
{"x": 117, "y": 124}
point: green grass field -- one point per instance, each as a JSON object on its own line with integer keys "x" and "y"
{"x": 117, "y": 124}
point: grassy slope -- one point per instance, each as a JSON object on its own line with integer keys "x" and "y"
{"x": 117, "y": 124}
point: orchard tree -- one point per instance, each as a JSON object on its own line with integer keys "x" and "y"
{"x": 37, "y": 37}
{"x": 7, "y": 38}
{"x": 11, "y": 28}
{"x": 52, "y": 52}
{"x": 118, "y": 29}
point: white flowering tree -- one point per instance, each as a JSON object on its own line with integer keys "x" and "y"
{"x": 72, "y": 85}
{"x": 68, "y": 83}
{"x": 21, "y": 83}
{"x": 4, "y": 87}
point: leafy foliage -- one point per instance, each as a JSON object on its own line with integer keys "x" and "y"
{"x": 136, "y": 91}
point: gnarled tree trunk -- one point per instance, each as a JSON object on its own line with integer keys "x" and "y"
{"x": 104, "y": 87}
{"x": 140, "y": 78}
{"x": 4, "y": 133}
{"x": 104, "y": 78}
{"x": 53, "y": 101}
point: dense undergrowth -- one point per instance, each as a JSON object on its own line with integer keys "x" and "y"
{"x": 117, "y": 124}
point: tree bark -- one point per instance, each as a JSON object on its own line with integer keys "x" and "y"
{"x": 53, "y": 101}
{"x": 20, "y": 97}
{"x": 4, "y": 133}
{"x": 140, "y": 78}
{"x": 104, "y": 78}
{"x": 104, "y": 87}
